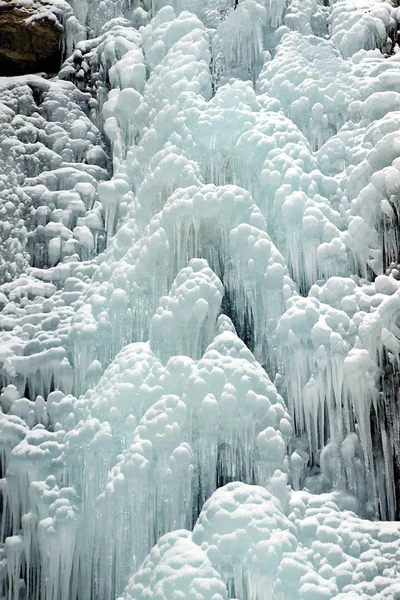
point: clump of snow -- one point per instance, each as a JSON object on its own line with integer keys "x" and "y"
{"x": 243, "y": 537}
{"x": 357, "y": 24}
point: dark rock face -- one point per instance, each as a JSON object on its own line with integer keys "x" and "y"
{"x": 30, "y": 38}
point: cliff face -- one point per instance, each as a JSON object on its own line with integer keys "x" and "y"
{"x": 30, "y": 37}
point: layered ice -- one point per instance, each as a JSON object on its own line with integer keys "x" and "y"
{"x": 49, "y": 175}
{"x": 200, "y": 305}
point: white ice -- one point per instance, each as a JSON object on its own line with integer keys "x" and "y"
{"x": 200, "y": 304}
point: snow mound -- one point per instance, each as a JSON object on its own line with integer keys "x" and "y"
{"x": 200, "y": 306}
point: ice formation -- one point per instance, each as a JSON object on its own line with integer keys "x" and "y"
{"x": 200, "y": 304}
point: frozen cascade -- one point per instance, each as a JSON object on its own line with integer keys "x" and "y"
{"x": 200, "y": 305}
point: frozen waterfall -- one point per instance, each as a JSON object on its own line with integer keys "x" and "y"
{"x": 200, "y": 305}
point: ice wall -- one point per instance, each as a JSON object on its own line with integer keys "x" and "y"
{"x": 200, "y": 306}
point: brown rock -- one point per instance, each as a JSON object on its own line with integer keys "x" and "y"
{"x": 30, "y": 37}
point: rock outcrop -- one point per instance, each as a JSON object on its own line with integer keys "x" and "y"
{"x": 30, "y": 36}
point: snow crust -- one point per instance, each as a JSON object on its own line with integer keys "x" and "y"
{"x": 200, "y": 302}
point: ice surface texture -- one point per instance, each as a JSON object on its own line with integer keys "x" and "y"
{"x": 200, "y": 305}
